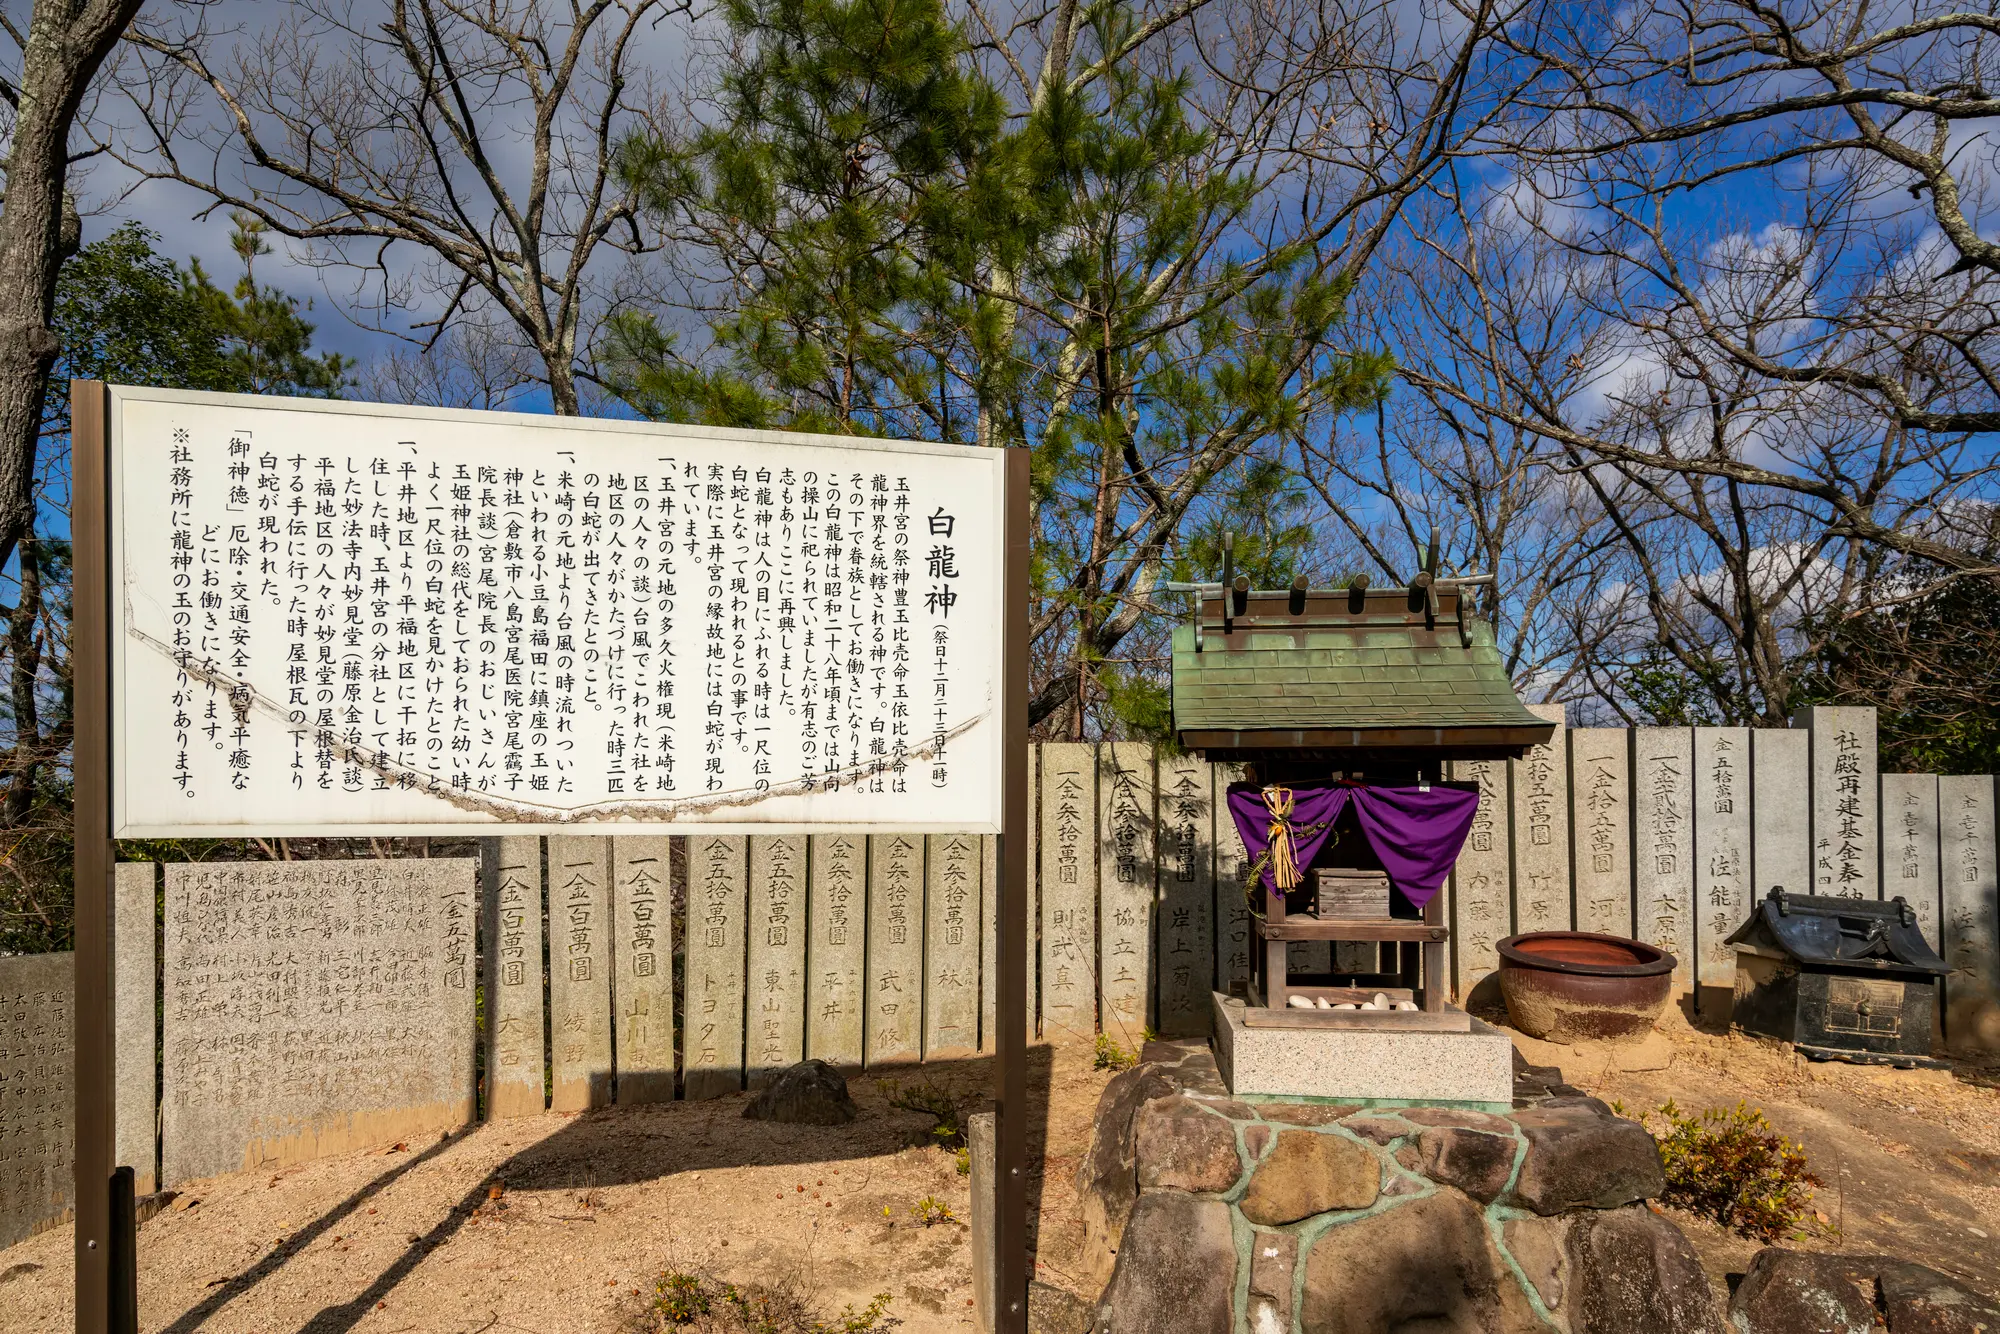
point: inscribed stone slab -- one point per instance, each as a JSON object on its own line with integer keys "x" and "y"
{"x": 777, "y": 1021}
{"x": 1721, "y": 849}
{"x": 1845, "y": 839}
{"x": 989, "y": 934}
{"x": 1971, "y": 911}
{"x": 895, "y": 1009}
{"x": 1482, "y": 882}
{"x": 37, "y": 1042}
{"x": 1540, "y": 783}
{"x": 717, "y": 919}
{"x": 1663, "y": 843}
{"x": 1232, "y": 909}
{"x": 1781, "y": 809}
{"x": 836, "y": 945}
{"x": 1186, "y": 895}
{"x": 579, "y": 973}
{"x": 642, "y": 966}
{"x": 1126, "y": 876}
{"x": 1069, "y": 891}
{"x": 515, "y": 1019}
{"x": 1600, "y": 775}
{"x": 1910, "y": 847}
{"x": 951, "y": 945}
{"x": 312, "y": 1008}
{"x": 135, "y": 904}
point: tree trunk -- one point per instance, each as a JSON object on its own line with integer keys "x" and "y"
{"x": 25, "y": 765}
{"x": 38, "y": 227}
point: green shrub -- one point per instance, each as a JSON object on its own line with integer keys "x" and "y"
{"x": 930, "y": 1211}
{"x": 1111, "y": 1056}
{"x": 1731, "y": 1167}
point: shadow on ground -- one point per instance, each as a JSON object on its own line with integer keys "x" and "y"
{"x": 619, "y": 1146}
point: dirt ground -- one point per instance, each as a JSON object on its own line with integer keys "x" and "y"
{"x": 564, "y": 1222}
{"x": 1910, "y": 1160}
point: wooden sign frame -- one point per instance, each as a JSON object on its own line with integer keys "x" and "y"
{"x": 105, "y": 1231}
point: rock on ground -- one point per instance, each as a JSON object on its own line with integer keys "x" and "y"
{"x": 1794, "y": 1292}
{"x": 1632, "y": 1272}
{"x": 811, "y": 1093}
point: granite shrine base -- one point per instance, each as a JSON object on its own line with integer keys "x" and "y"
{"x": 1473, "y": 1069}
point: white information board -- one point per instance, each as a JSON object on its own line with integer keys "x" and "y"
{"x": 346, "y": 618}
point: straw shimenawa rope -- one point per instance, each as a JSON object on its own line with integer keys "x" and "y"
{"x": 1284, "y": 862}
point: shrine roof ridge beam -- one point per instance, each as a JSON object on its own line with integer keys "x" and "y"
{"x": 1443, "y": 583}
{"x": 1458, "y": 739}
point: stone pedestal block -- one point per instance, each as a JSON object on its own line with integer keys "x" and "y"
{"x": 1474, "y": 1068}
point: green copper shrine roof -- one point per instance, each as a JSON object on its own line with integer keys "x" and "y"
{"x": 1348, "y": 671}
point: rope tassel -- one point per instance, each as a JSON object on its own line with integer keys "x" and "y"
{"x": 1284, "y": 864}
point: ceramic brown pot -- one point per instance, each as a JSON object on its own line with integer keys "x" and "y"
{"x": 1577, "y": 986}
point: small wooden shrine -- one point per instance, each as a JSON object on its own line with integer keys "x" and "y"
{"x": 1345, "y": 706}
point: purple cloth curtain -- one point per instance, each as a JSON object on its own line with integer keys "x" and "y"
{"x": 1417, "y": 834}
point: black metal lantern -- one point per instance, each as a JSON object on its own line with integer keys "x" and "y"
{"x": 1841, "y": 979}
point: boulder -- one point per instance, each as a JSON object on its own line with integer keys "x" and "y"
{"x": 1922, "y": 1301}
{"x": 1176, "y": 1273}
{"x": 811, "y": 1093}
{"x": 1477, "y": 1163}
{"x": 1427, "y": 1265}
{"x": 1790, "y": 1292}
{"x": 1581, "y": 1156}
{"x": 1632, "y": 1272}
{"x": 1107, "y": 1180}
{"x": 1309, "y": 1173}
{"x": 1182, "y": 1147}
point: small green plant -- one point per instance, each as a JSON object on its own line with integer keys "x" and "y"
{"x": 962, "y": 1159}
{"x": 927, "y": 1099}
{"x": 1111, "y": 1056}
{"x": 678, "y": 1299}
{"x": 930, "y": 1211}
{"x": 698, "y": 1304}
{"x": 1728, "y": 1165}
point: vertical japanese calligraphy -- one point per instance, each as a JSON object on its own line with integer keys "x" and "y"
{"x": 345, "y": 617}
{"x": 312, "y": 1007}
{"x": 37, "y": 1038}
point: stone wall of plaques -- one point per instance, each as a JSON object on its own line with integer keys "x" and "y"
{"x": 623, "y": 970}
